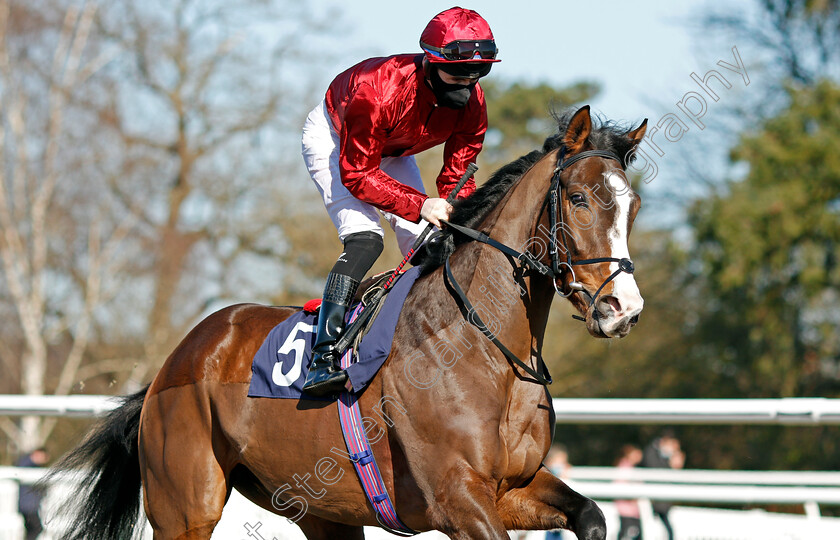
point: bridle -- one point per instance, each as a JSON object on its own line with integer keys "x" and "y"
{"x": 556, "y": 222}
{"x": 557, "y": 268}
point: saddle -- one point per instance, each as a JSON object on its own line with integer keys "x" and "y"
{"x": 370, "y": 283}
{"x": 367, "y": 295}
{"x": 280, "y": 366}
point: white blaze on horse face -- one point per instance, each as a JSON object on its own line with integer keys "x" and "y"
{"x": 625, "y": 289}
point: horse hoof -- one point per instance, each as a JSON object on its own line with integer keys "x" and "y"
{"x": 590, "y": 523}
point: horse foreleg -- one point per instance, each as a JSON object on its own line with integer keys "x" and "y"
{"x": 465, "y": 508}
{"x": 546, "y": 502}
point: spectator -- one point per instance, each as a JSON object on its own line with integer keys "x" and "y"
{"x": 29, "y": 502}
{"x": 664, "y": 453}
{"x": 557, "y": 461}
{"x": 628, "y": 510}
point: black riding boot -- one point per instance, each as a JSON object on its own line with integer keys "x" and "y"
{"x": 325, "y": 375}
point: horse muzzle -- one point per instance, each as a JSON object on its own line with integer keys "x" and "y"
{"x": 609, "y": 317}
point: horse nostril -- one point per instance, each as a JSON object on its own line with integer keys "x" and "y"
{"x": 613, "y": 302}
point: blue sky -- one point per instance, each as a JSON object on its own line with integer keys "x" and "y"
{"x": 642, "y": 51}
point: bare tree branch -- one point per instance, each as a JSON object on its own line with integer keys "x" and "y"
{"x": 10, "y": 428}
{"x": 8, "y": 358}
{"x": 114, "y": 365}
{"x": 125, "y": 167}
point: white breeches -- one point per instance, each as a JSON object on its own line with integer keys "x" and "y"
{"x": 350, "y": 215}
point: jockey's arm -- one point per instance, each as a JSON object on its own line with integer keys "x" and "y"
{"x": 462, "y": 148}
{"x": 362, "y": 140}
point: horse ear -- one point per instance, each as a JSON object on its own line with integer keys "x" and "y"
{"x": 636, "y": 135}
{"x": 578, "y": 130}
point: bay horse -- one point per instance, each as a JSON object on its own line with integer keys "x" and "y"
{"x": 458, "y": 430}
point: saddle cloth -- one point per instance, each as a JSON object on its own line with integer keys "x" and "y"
{"x": 281, "y": 364}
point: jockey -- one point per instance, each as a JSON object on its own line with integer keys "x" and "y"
{"x": 359, "y": 145}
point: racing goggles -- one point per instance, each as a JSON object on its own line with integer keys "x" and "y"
{"x": 474, "y": 49}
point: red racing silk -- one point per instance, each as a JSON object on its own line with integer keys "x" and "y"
{"x": 383, "y": 107}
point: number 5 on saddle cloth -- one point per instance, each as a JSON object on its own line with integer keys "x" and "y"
{"x": 281, "y": 364}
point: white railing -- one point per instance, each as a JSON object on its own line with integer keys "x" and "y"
{"x": 700, "y": 476}
{"x": 738, "y": 487}
{"x": 790, "y": 411}
{"x": 810, "y": 489}
{"x": 84, "y": 406}
{"x": 596, "y": 482}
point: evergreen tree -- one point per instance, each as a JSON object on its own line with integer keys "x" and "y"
{"x": 767, "y": 253}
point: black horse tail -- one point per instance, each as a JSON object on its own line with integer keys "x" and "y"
{"x": 106, "y": 501}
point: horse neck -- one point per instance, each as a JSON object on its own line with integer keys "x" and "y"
{"x": 514, "y": 220}
{"x": 526, "y": 299}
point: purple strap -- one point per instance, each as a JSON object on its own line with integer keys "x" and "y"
{"x": 362, "y": 456}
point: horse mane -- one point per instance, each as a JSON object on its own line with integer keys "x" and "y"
{"x": 471, "y": 211}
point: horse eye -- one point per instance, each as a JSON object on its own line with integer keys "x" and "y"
{"x": 577, "y": 199}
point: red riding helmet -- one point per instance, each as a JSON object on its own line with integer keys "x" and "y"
{"x": 458, "y": 35}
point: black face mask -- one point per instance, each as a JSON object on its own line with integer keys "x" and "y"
{"x": 454, "y": 96}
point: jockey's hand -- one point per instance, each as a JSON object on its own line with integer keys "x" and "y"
{"x": 434, "y": 210}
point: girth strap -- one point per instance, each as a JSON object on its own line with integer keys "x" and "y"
{"x": 472, "y": 317}
{"x": 358, "y": 447}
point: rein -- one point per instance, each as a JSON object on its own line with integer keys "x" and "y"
{"x": 557, "y": 266}
{"x": 472, "y": 316}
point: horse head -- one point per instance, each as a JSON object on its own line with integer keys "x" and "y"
{"x": 597, "y": 207}
{"x": 570, "y": 208}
